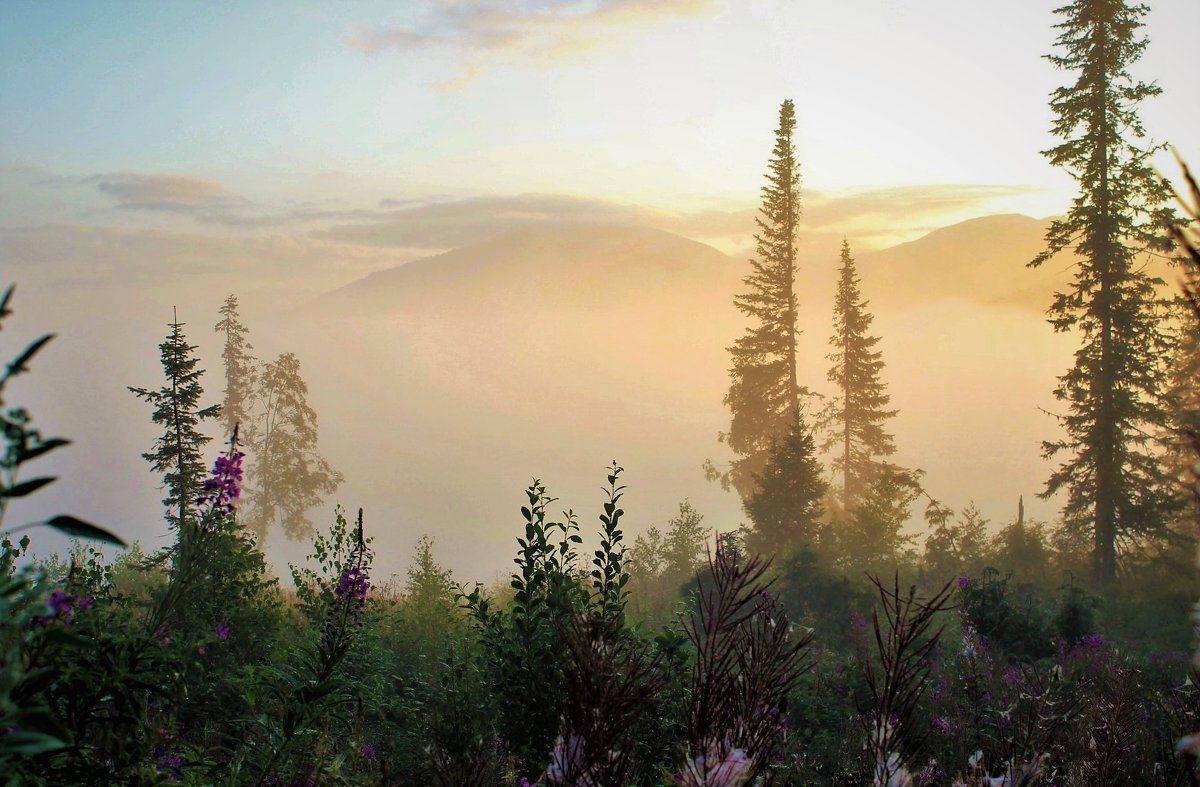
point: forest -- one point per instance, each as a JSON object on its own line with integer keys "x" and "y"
{"x": 852, "y": 629}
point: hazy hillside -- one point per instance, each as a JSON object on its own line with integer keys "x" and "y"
{"x": 549, "y": 352}
{"x": 573, "y": 266}
{"x": 445, "y": 384}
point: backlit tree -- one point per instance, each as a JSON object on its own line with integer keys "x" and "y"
{"x": 1114, "y": 484}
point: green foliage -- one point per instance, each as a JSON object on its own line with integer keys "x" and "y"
{"x": 177, "y": 452}
{"x": 23, "y": 444}
{"x": 1115, "y": 487}
{"x": 524, "y": 646}
{"x": 785, "y": 506}
{"x": 661, "y": 567}
{"x": 332, "y": 553}
{"x": 1015, "y": 621}
{"x": 957, "y": 547}
{"x": 872, "y": 539}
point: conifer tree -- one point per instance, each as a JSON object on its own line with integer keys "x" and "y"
{"x": 856, "y": 414}
{"x": 286, "y": 477}
{"x": 1114, "y": 484}
{"x": 177, "y": 452}
{"x": 239, "y": 366}
{"x": 786, "y": 504}
{"x": 765, "y": 396}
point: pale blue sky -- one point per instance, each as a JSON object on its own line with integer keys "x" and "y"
{"x": 670, "y": 104}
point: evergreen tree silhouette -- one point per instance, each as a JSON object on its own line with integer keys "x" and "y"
{"x": 857, "y": 412}
{"x": 177, "y": 452}
{"x": 765, "y": 397}
{"x": 239, "y": 366}
{"x": 1115, "y": 485}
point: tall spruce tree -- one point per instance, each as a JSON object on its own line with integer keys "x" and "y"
{"x": 286, "y": 476}
{"x": 239, "y": 366}
{"x": 765, "y": 396}
{"x": 1114, "y": 484}
{"x": 177, "y": 451}
{"x": 856, "y": 414}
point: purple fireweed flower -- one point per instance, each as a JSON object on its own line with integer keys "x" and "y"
{"x": 1011, "y": 675}
{"x": 350, "y": 593}
{"x": 61, "y": 603}
{"x": 941, "y": 725}
{"x": 168, "y": 762}
{"x": 163, "y": 634}
{"x": 222, "y": 631}
{"x": 964, "y": 581}
{"x": 367, "y": 751}
{"x": 222, "y": 487}
{"x": 1092, "y": 640}
{"x": 62, "y": 606}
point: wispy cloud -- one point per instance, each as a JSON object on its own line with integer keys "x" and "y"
{"x": 175, "y": 193}
{"x": 875, "y": 213}
{"x": 480, "y": 32}
{"x": 913, "y": 203}
{"x": 460, "y": 222}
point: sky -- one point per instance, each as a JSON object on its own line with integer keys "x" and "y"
{"x": 178, "y": 149}
{"x": 291, "y": 117}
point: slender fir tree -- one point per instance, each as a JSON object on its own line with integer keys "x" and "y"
{"x": 286, "y": 477}
{"x": 1114, "y": 484}
{"x": 765, "y": 397}
{"x": 239, "y": 366}
{"x": 856, "y": 414}
{"x": 177, "y": 451}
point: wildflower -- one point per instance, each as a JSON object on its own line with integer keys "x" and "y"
{"x": 350, "y": 593}
{"x": 222, "y": 631}
{"x": 168, "y": 762}
{"x": 963, "y": 582}
{"x": 367, "y": 751}
{"x": 201, "y": 650}
{"x": 61, "y": 603}
{"x": 222, "y": 487}
{"x": 1011, "y": 675}
{"x": 941, "y": 725}
{"x": 163, "y": 634}
{"x": 1092, "y": 640}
